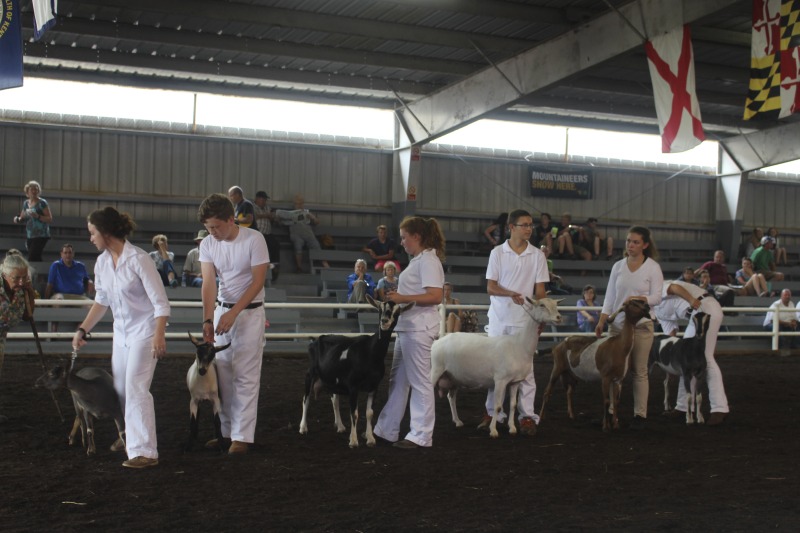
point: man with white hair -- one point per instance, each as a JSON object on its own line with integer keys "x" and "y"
{"x": 786, "y": 321}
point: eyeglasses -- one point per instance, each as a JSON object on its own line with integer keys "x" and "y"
{"x": 526, "y": 226}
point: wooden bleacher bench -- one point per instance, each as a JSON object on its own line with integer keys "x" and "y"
{"x": 465, "y": 243}
{"x": 466, "y": 264}
{"x": 336, "y": 259}
{"x": 687, "y": 251}
{"x": 333, "y": 279}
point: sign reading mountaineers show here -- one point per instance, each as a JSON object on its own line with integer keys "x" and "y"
{"x": 576, "y": 185}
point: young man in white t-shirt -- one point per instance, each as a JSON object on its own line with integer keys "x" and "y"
{"x": 516, "y": 270}
{"x": 234, "y": 313}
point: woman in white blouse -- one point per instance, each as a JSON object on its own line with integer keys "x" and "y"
{"x": 126, "y": 280}
{"x": 635, "y": 276}
{"x": 421, "y": 282}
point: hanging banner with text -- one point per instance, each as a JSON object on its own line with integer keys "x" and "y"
{"x": 10, "y": 45}
{"x": 577, "y": 185}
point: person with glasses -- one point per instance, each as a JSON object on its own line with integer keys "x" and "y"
{"x": 516, "y": 270}
{"x": 15, "y": 283}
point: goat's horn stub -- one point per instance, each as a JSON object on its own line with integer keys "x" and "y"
{"x": 614, "y": 315}
{"x": 221, "y": 348}
{"x": 194, "y": 339}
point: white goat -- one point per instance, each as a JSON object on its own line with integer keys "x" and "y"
{"x": 589, "y": 359}
{"x": 468, "y": 360}
{"x": 201, "y": 380}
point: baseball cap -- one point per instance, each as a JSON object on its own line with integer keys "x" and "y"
{"x": 262, "y": 194}
{"x": 766, "y": 238}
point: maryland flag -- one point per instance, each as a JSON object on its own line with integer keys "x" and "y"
{"x": 775, "y": 60}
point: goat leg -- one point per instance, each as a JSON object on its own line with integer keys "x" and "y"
{"x": 513, "y": 390}
{"x": 666, "y": 393}
{"x": 608, "y": 402}
{"x": 370, "y": 436}
{"x": 616, "y": 388}
{"x": 499, "y": 394}
{"x": 303, "y": 421}
{"x": 353, "y": 418}
{"x": 452, "y": 394}
{"x": 337, "y": 414}
{"x": 87, "y": 418}
{"x": 570, "y": 412}
{"x": 700, "y": 419}
{"x": 76, "y": 426}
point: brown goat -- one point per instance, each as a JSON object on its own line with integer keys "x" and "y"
{"x": 589, "y": 359}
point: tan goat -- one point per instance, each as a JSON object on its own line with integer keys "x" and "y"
{"x": 590, "y": 359}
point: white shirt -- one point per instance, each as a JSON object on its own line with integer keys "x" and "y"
{"x": 516, "y": 272}
{"x": 133, "y": 290}
{"x": 785, "y": 317}
{"x": 673, "y": 308}
{"x": 424, "y": 270}
{"x": 648, "y": 281}
{"x": 234, "y": 261}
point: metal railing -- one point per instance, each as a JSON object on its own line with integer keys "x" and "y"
{"x": 775, "y": 334}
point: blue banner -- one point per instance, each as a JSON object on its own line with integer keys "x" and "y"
{"x": 576, "y": 185}
{"x": 10, "y": 44}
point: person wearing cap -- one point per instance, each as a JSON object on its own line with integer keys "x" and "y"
{"x": 764, "y": 261}
{"x": 264, "y": 219}
{"x": 381, "y": 248}
{"x": 192, "y": 273}
{"x": 591, "y": 238}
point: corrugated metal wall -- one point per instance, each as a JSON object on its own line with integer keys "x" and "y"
{"x": 163, "y": 177}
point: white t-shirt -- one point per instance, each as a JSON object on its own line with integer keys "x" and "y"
{"x": 424, "y": 270}
{"x": 515, "y": 272}
{"x": 234, "y": 261}
{"x": 785, "y": 317}
{"x": 648, "y": 281}
{"x": 673, "y": 308}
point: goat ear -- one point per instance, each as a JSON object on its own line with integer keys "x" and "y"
{"x": 406, "y": 307}
{"x": 371, "y": 301}
{"x": 221, "y": 348}
{"x": 194, "y": 339}
{"x": 559, "y": 300}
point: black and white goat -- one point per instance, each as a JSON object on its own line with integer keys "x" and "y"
{"x": 93, "y": 396}
{"x": 201, "y": 380}
{"x": 685, "y": 358}
{"x": 350, "y": 365}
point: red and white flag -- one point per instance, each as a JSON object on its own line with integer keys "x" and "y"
{"x": 671, "y": 62}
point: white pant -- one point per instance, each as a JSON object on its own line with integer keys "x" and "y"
{"x": 716, "y": 389}
{"x": 239, "y": 373}
{"x": 411, "y": 372}
{"x": 527, "y": 387}
{"x": 133, "y": 366}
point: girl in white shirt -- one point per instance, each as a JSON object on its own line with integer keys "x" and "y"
{"x": 635, "y": 276}
{"x": 421, "y": 282}
{"x": 126, "y": 280}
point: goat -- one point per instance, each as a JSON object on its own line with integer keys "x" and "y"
{"x": 589, "y": 359}
{"x": 201, "y": 380}
{"x": 350, "y": 365}
{"x": 686, "y": 358}
{"x": 468, "y": 360}
{"x": 93, "y": 396}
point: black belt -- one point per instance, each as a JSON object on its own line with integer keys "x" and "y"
{"x": 253, "y": 305}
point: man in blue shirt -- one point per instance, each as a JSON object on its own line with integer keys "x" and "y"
{"x": 244, "y": 212}
{"x": 68, "y": 279}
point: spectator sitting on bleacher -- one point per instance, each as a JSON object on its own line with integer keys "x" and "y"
{"x": 300, "y": 221}
{"x": 359, "y": 284}
{"x": 454, "y": 318}
{"x": 192, "y": 271}
{"x": 381, "y": 248}
{"x": 779, "y": 252}
{"x": 556, "y": 285}
{"x": 163, "y": 259}
{"x": 722, "y": 293}
{"x": 389, "y": 281}
{"x": 568, "y": 240}
{"x": 68, "y": 279}
{"x": 543, "y": 233}
{"x": 496, "y": 232}
{"x": 753, "y": 283}
{"x": 244, "y": 213}
{"x": 786, "y": 321}
{"x": 591, "y": 239}
{"x": 719, "y": 279}
{"x": 688, "y": 276}
{"x": 753, "y": 242}
{"x": 587, "y": 320}
{"x": 763, "y": 262}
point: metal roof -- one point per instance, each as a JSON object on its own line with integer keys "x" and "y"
{"x": 383, "y": 53}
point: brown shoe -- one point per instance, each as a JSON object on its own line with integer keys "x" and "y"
{"x": 238, "y": 448}
{"x": 716, "y": 419}
{"x": 118, "y": 446}
{"x": 527, "y": 426}
{"x": 405, "y": 444}
{"x": 485, "y": 422}
{"x": 213, "y": 444}
{"x": 140, "y": 462}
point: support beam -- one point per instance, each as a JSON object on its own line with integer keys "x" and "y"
{"x": 745, "y": 153}
{"x": 549, "y": 63}
{"x": 730, "y": 213}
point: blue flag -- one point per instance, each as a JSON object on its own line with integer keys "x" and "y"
{"x": 10, "y": 44}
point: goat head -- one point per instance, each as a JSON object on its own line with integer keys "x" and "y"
{"x": 206, "y": 351}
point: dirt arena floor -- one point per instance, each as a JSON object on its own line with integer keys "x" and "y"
{"x": 741, "y": 476}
